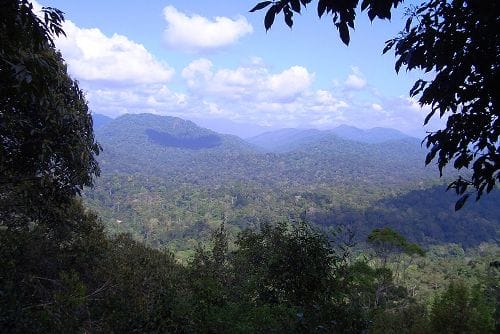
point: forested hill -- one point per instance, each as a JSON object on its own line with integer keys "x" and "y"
{"x": 289, "y": 139}
{"x": 170, "y": 182}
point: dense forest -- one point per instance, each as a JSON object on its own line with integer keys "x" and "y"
{"x": 148, "y": 224}
{"x": 172, "y": 197}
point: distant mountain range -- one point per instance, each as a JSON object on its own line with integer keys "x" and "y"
{"x": 289, "y": 139}
{"x": 168, "y": 145}
{"x": 171, "y": 181}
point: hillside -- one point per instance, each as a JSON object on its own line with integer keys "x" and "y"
{"x": 169, "y": 182}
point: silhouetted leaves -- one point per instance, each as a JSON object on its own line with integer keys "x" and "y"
{"x": 260, "y": 6}
{"x": 460, "y": 203}
{"x": 269, "y": 19}
{"x": 343, "y": 12}
{"x": 344, "y": 33}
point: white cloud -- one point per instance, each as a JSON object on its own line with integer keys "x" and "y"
{"x": 253, "y": 82}
{"x": 355, "y": 80}
{"x": 377, "y": 107}
{"x": 196, "y": 33}
{"x": 290, "y": 82}
{"x": 252, "y": 93}
{"x": 93, "y": 56}
{"x": 152, "y": 98}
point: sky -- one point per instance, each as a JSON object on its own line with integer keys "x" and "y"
{"x": 214, "y": 63}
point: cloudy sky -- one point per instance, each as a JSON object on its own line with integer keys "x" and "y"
{"x": 214, "y": 63}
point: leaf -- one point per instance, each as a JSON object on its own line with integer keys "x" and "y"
{"x": 269, "y": 18}
{"x": 260, "y": 6}
{"x": 321, "y": 7}
{"x": 364, "y": 4}
{"x": 460, "y": 203}
{"x": 288, "y": 16}
{"x": 344, "y": 33}
{"x": 431, "y": 154}
{"x": 388, "y": 45}
{"x": 428, "y": 117}
{"x": 295, "y": 5}
{"x": 408, "y": 24}
{"x": 371, "y": 14}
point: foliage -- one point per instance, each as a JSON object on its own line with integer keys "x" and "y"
{"x": 342, "y": 12}
{"x": 386, "y": 241}
{"x": 47, "y": 277}
{"x": 295, "y": 273}
{"x": 47, "y": 146}
{"x": 460, "y": 309}
{"x": 457, "y": 40}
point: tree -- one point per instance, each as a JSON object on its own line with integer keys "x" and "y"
{"x": 458, "y": 40}
{"x": 47, "y": 146}
{"x": 460, "y": 309}
{"x": 49, "y": 244}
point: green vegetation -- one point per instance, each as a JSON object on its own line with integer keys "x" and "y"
{"x": 172, "y": 197}
{"x": 60, "y": 272}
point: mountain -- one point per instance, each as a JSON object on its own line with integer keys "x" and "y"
{"x": 155, "y": 144}
{"x": 165, "y": 132}
{"x": 285, "y": 140}
{"x": 242, "y": 130}
{"x": 170, "y": 182}
{"x": 371, "y": 136}
{"x": 100, "y": 120}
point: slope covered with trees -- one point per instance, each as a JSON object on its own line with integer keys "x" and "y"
{"x": 173, "y": 196}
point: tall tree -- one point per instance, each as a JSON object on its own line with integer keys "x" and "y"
{"x": 458, "y": 40}
{"x": 47, "y": 146}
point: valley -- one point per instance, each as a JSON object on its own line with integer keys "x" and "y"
{"x": 170, "y": 183}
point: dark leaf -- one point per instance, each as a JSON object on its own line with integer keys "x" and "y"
{"x": 460, "y": 203}
{"x": 269, "y": 18}
{"x": 288, "y": 17}
{"x": 371, "y": 14}
{"x": 428, "y": 117}
{"x": 260, "y": 6}
{"x": 344, "y": 33}
{"x": 321, "y": 7}
{"x": 408, "y": 24}
{"x": 364, "y": 4}
{"x": 295, "y": 5}
{"x": 388, "y": 45}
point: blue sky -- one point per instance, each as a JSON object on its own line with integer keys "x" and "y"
{"x": 214, "y": 63}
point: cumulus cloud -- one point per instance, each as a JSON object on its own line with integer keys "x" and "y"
{"x": 254, "y": 82}
{"x": 93, "y": 56}
{"x": 355, "y": 80}
{"x": 195, "y": 33}
{"x": 152, "y": 98}
{"x": 253, "y": 93}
